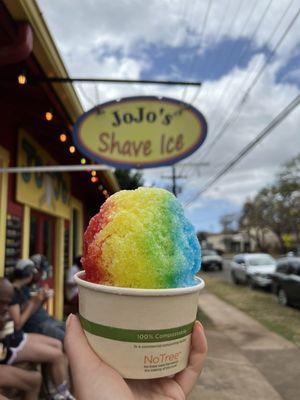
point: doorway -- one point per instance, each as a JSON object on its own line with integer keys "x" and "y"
{"x": 42, "y": 235}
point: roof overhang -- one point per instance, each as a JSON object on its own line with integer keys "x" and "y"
{"x": 48, "y": 57}
{"x": 46, "y": 53}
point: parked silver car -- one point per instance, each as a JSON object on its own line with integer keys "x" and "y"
{"x": 254, "y": 269}
{"x": 211, "y": 261}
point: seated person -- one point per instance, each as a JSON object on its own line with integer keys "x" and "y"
{"x": 18, "y": 346}
{"x": 27, "y": 311}
{"x": 71, "y": 288}
{"x": 28, "y": 382}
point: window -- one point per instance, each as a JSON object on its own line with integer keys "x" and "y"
{"x": 47, "y": 242}
{"x": 33, "y": 235}
{"x": 282, "y": 267}
{"x": 295, "y": 267}
{"x": 261, "y": 260}
{"x": 75, "y": 234}
{"x": 239, "y": 260}
{"x": 209, "y": 253}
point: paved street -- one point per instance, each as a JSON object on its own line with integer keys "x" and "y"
{"x": 225, "y": 273}
{"x": 245, "y": 360}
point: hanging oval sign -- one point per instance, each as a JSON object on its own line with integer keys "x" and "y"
{"x": 140, "y": 132}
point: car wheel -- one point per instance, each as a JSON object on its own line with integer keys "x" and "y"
{"x": 234, "y": 278}
{"x": 213, "y": 266}
{"x": 282, "y": 297}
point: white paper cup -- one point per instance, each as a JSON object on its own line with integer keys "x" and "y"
{"x": 141, "y": 333}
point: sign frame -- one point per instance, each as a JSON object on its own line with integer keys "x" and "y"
{"x": 140, "y": 165}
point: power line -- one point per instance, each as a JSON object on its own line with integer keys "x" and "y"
{"x": 251, "y": 73}
{"x": 219, "y": 34}
{"x": 243, "y": 52}
{"x": 267, "y": 130}
{"x": 231, "y": 23}
{"x": 232, "y": 118}
{"x": 192, "y": 66}
{"x": 233, "y": 46}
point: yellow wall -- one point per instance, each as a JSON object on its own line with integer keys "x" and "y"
{"x": 46, "y": 192}
{"x": 59, "y": 268}
{"x": 4, "y": 161}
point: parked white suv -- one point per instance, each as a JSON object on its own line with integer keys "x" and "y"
{"x": 255, "y": 269}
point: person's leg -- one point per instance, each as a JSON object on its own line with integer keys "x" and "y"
{"x": 40, "y": 352}
{"x": 28, "y": 382}
{"x": 50, "y": 341}
{"x": 53, "y": 328}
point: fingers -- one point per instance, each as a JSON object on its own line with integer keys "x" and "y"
{"x": 188, "y": 377}
{"x": 77, "y": 348}
{"x": 83, "y": 361}
{"x": 91, "y": 376}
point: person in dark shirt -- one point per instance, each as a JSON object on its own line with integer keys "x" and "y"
{"x": 27, "y": 310}
{"x": 17, "y": 346}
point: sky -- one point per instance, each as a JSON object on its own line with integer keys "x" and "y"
{"x": 222, "y": 43}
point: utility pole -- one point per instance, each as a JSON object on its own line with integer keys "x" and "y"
{"x": 174, "y": 177}
{"x": 174, "y": 188}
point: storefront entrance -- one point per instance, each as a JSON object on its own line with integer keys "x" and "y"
{"x": 42, "y": 235}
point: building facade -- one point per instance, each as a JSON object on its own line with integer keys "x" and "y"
{"x": 45, "y": 212}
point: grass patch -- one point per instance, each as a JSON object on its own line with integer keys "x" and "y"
{"x": 203, "y": 318}
{"x": 260, "y": 305}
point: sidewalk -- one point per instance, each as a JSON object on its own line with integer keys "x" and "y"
{"x": 245, "y": 360}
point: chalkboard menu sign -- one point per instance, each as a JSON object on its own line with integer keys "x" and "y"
{"x": 13, "y": 243}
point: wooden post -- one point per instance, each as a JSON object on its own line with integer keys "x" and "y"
{"x": 4, "y": 161}
{"x": 59, "y": 268}
{"x": 25, "y": 231}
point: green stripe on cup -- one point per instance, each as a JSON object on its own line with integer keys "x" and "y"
{"x": 137, "y": 336}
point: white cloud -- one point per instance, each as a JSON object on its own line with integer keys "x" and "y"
{"x": 98, "y": 38}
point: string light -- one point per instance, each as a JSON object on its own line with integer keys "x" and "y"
{"x": 72, "y": 149}
{"x": 93, "y": 173}
{"x": 63, "y": 137}
{"x": 83, "y": 161}
{"x": 48, "y": 116}
{"x": 94, "y": 179}
{"x": 22, "y": 79}
{"x": 105, "y": 192}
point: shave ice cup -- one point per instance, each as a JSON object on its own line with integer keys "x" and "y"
{"x": 141, "y": 333}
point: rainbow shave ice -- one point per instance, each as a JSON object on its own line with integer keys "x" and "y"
{"x": 141, "y": 239}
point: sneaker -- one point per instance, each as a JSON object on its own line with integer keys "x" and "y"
{"x": 65, "y": 396}
{"x": 69, "y": 396}
{"x": 57, "y": 396}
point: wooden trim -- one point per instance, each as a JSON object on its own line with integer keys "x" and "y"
{"x": 4, "y": 161}
{"x": 26, "y": 231}
{"x": 59, "y": 268}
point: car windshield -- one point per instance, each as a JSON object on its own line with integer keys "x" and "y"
{"x": 260, "y": 260}
{"x": 209, "y": 253}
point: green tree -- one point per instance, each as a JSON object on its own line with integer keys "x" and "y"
{"x": 129, "y": 180}
{"x": 250, "y": 221}
{"x": 276, "y": 207}
{"x": 229, "y": 223}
